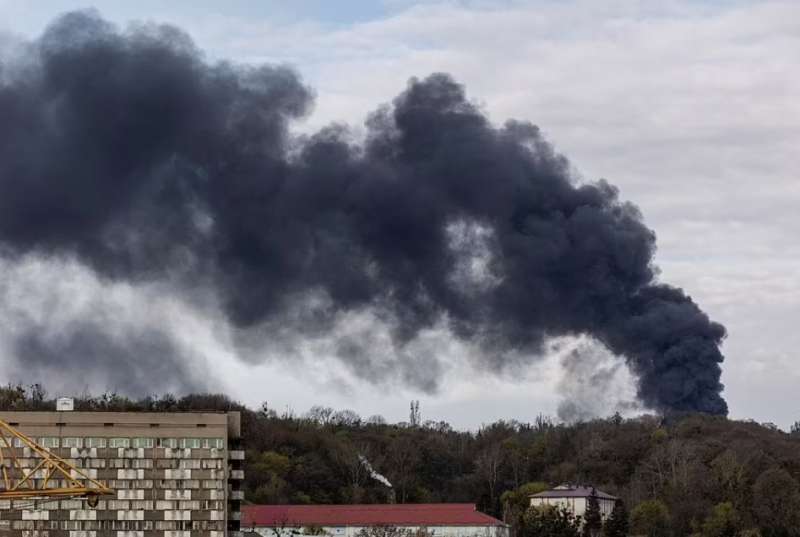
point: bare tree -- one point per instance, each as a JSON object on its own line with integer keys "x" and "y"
{"x": 488, "y": 467}
{"x": 345, "y": 418}
{"x": 414, "y": 417}
{"x": 403, "y": 456}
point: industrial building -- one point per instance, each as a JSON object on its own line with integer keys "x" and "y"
{"x": 437, "y": 519}
{"x": 172, "y": 474}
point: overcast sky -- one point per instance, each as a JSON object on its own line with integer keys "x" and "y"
{"x": 690, "y": 108}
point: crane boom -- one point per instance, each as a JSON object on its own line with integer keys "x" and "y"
{"x": 18, "y": 483}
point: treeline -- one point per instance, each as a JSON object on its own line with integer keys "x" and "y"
{"x": 687, "y": 475}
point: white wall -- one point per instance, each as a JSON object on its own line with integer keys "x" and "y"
{"x": 352, "y": 531}
{"x": 577, "y": 506}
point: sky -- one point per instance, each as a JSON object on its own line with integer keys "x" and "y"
{"x": 689, "y": 107}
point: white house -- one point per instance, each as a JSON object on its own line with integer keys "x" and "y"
{"x": 575, "y": 498}
{"x": 437, "y": 520}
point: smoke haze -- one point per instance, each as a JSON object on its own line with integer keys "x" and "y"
{"x": 127, "y": 152}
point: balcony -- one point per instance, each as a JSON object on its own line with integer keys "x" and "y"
{"x": 236, "y": 474}
{"x": 236, "y": 495}
{"x": 236, "y": 455}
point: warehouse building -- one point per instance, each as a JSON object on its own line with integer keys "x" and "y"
{"x": 173, "y": 474}
{"x": 436, "y": 519}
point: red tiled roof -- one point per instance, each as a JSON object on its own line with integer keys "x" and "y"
{"x": 424, "y": 514}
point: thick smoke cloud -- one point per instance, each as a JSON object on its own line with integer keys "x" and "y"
{"x": 131, "y": 153}
{"x": 138, "y": 362}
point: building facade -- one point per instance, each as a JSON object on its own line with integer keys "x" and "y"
{"x": 437, "y": 520}
{"x": 575, "y": 498}
{"x": 173, "y": 474}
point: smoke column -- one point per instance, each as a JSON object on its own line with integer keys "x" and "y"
{"x": 128, "y": 152}
{"x": 372, "y": 473}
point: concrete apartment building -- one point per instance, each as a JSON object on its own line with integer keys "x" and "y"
{"x": 174, "y": 474}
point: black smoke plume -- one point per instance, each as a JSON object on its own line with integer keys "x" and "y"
{"x": 127, "y": 150}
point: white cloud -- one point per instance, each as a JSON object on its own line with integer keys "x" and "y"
{"x": 690, "y": 109}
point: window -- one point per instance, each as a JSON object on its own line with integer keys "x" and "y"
{"x": 165, "y": 505}
{"x": 142, "y": 442}
{"x": 168, "y": 442}
{"x": 48, "y": 442}
{"x": 119, "y": 442}
{"x": 213, "y": 443}
{"x": 71, "y": 442}
{"x": 71, "y": 504}
{"x": 218, "y": 443}
{"x": 94, "y": 442}
{"x": 192, "y": 443}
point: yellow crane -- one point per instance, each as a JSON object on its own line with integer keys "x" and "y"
{"x": 20, "y": 483}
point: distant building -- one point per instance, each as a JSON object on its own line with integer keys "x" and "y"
{"x": 438, "y": 519}
{"x": 174, "y": 474}
{"x": 575, "y": 498}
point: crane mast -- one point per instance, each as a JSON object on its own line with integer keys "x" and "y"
{"x": 42, "y": 480}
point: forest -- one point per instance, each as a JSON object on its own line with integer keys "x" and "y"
{"x": 676, "y": 475}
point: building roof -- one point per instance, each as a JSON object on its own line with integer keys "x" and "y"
{"x": 430, "y": 514}
{"x": 573, "y": 491}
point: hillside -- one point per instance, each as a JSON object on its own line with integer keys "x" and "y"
{"x": 689, "y": 464}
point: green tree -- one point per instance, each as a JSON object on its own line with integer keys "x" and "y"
{"x": 723, "y": 521}
{"x": 592, "y": 519}
{"x": 550, "y": 521}
{"x": 650, "y": 518}
{"x": 269, "y": 471}
{"x": 520, "y": 498}
{"x": 516, "y": 502}
{"x": 617, "y": 524}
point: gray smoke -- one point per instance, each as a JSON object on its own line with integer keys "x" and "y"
{"x": 594, "y": 382}
{"x": 126, "y": 151}
{"x": 134, "y": 362}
